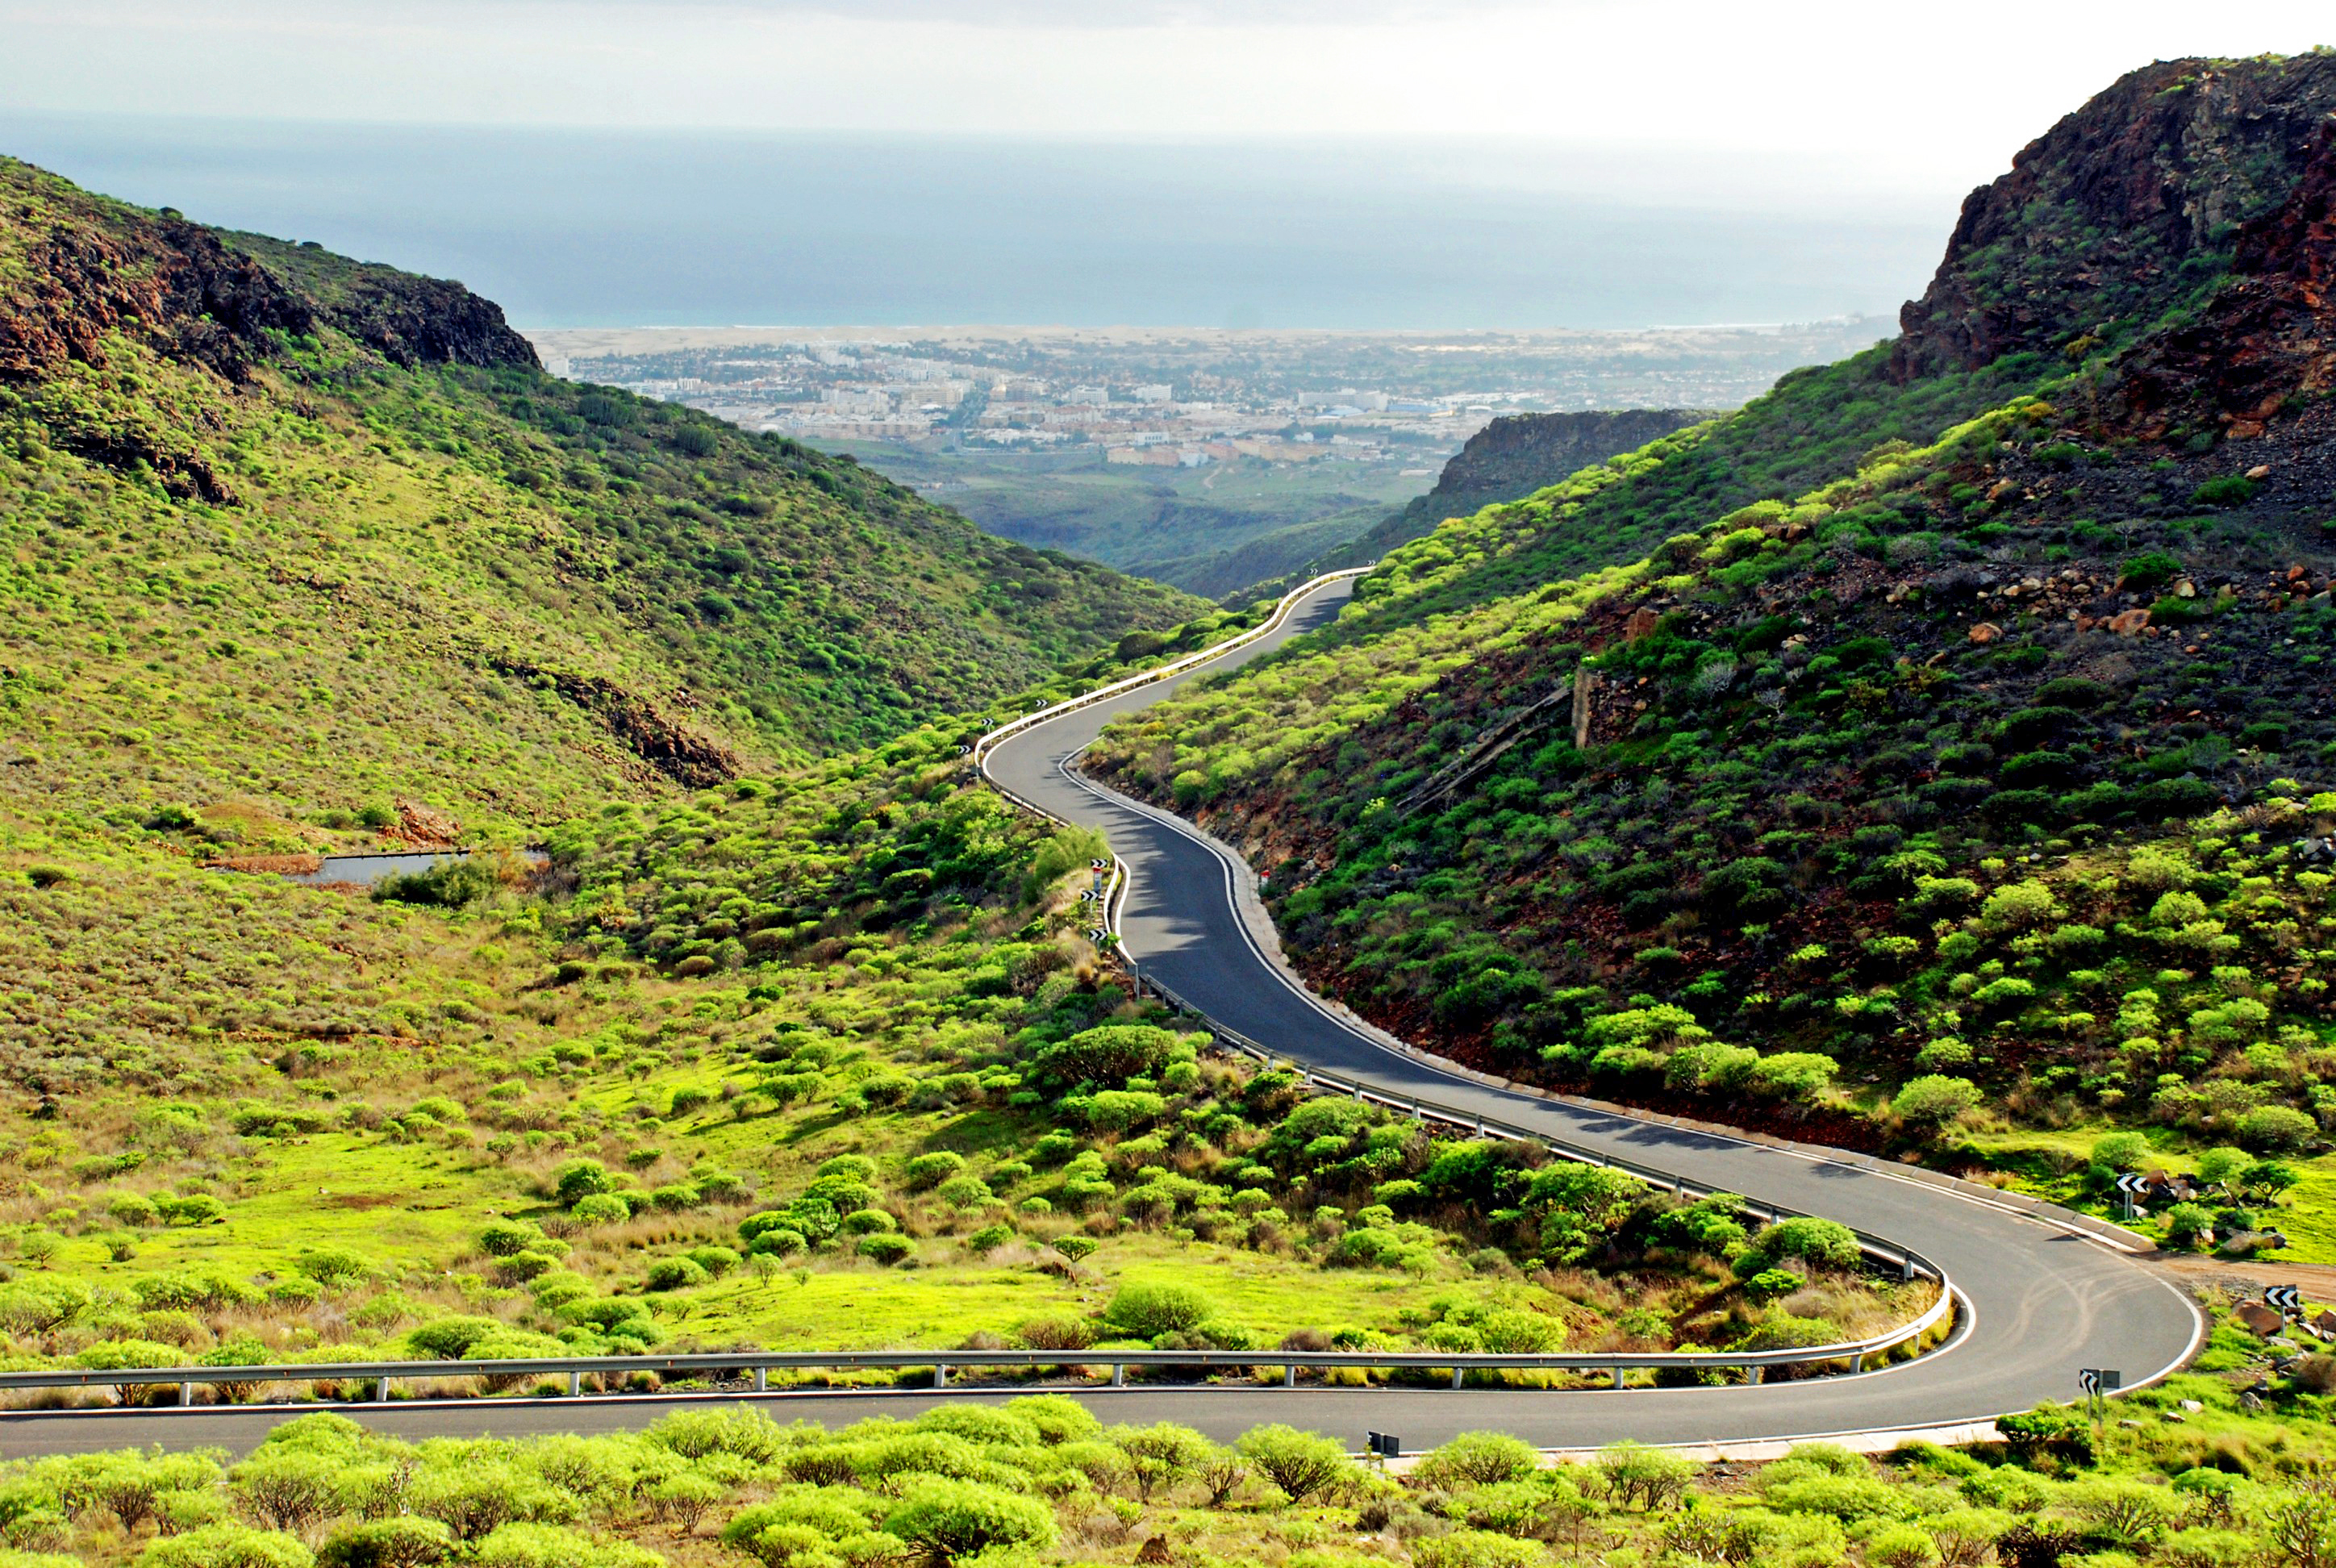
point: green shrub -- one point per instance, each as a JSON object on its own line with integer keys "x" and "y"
{"x": 2151, "y": 569}
{"x": 1934, "y": 1099}
{"x": 582, "y": 1178}
{"x": 2276, "y": 1129}
{"x": 450, "y": 884}
{"x": 601, "y": 1209}
{"x": 2019, "y": 906}
{"x": 887, "y": 1248}
{"x": 1476, "y": 1549}
{"x": 953, "y": 1519}
{"x": 502, "y": 1238}
{"x": 779, "y": 1243}
{"x": 964, "y": 1193}
{"x": 932, "y": 1170}
{"x": 2228, "y": 491}
{"x": 2186, "y": 1223}
{"x": 1518, "y": 1332}
{"x": 1147, "y": 1311}
{"x": 1822, "y": 1243}
{"x": 130, "y": 1209}
{"x": 1477, "y": 1459}
{"x": 1120, "y": 1110}
{"x": 1793, "y": 1075}
{"x": 225, "y": 1545}
{"x": 1642, "y": 1477}
{"x": 527, "y": 1545}
{"x": 403, "y": 1541}
{"x": 1300, "y": 1462}
{"x": 1108, "y": 1055}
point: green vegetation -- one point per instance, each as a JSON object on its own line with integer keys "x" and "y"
{"x": 282, "y": 554}
{"x": 1950, "y": 774}
{"x": 2194, "y": 1471}
{"x": 812, "y": 1062}
{"x": 1956, "y": 882}
{"x": 1210, "y": 530}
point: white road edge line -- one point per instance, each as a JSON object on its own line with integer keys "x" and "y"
{"x": 1232, "y": 865}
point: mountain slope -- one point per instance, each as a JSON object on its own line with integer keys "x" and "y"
{"x": 1508, "y": 460}
{"x": 1898, "y": 769}
{"x": 285, "y": 525}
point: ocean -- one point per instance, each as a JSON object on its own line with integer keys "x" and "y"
{"x": 584, "y": 228}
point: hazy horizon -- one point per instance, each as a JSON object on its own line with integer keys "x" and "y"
{"x": 575, "y": 228}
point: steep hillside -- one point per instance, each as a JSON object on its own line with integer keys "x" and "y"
{"x": 1990, "y": 778}
{"x": 308, "y": 554}
{"x": 1509, "y": 460}
{"x": 287, "y": 527}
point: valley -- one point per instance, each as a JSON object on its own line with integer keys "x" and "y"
{"x": 1825, "y": 892}
{"x": 1213, "y": 461}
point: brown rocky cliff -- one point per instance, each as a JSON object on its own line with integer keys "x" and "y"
{"x": 1510, "y": 459}
{"x": 2268, "y": 336}
{"x": 171, "y": 283}
{"x": 91, "y": 268}
{"x": 2120, "y": 211}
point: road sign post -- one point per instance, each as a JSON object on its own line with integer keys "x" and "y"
{"x": 2094, "y": 1382}
{"x": 2127, "y": 1186}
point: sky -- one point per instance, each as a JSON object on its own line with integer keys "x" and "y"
{"x": 1911, "y": 94}
{"x": 1706, "y": 130}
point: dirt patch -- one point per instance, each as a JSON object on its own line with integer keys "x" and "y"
{"x": 271, "y": 865}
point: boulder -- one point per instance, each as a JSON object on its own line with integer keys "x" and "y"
{"x": 2257, "y": 1319}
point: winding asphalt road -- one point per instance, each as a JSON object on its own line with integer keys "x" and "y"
{"x": 2040, "y": 1303}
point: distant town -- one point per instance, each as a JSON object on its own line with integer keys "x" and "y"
{"x": 1065, "y": 398}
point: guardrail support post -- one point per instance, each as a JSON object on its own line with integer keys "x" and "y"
{"x": 1857, "y": 1362}
{"x": 1757, "y": 1373}
{"x": 940, "y": 1377}
{"x": 1906, "y": 1269}
{"x": 1119, "y": 1376}
{"x": 1617, "y": 1376}
{"x": 1415, "y": 1111}
{"x": 186, "y": 1394}
{"x": 762, "y": 1379}
{"x": 1289, "y": 1376}
{"x": 1458, "y": 1373}
{"x": 381, "y": 1392}
{"x": 575, "y": 1385}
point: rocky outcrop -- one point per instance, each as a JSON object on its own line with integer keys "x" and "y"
{"x": 2120, "y": 211}
{"x": 171, "y": 283}
{"x": 2268, "y": 337}
{"x": 412, "y": 320}
{"x": 1510, "y": 459}
{"x": 92, "y": 270}
{"x": 662, "y": 741}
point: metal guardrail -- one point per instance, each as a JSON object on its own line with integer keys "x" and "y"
{"x": 1910, "y": 1263}
{"x": 1175, "y": 667}
{"x": 757, "y": 1365}
{"x": 2039, "y": 1209}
